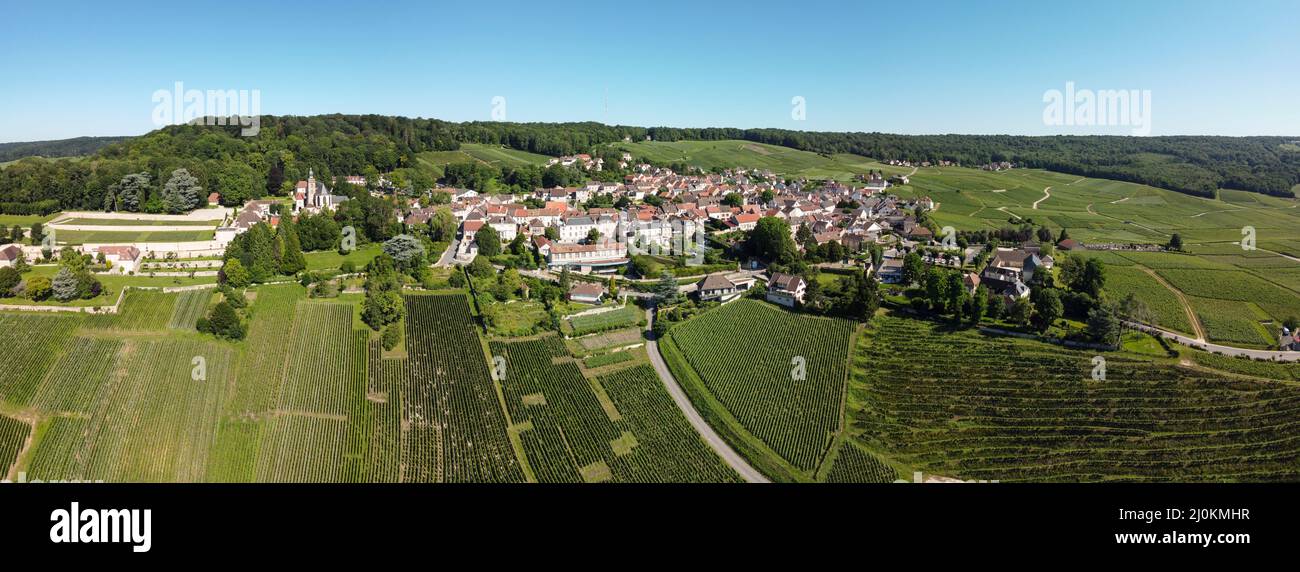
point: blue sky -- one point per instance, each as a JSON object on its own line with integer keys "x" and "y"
{"x": 1227, "y": 68}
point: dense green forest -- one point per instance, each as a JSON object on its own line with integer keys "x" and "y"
{"x": 336, "y": 145}
{"x": 75, "y": 147}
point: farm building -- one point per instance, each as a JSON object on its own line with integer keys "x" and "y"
{"x": 586, "y": 293}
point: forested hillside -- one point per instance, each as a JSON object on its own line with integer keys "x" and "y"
{"x": 334, "y": 145}
{"x": 75, "y": 147}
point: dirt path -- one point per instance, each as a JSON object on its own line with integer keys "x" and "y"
{"x": 711, "y": 438}
{"x": 1182, "y": 299}
{"x": 1131, "y": 223}
{"x": 1047, "y": 194}
{"x": 1004, "y": 209}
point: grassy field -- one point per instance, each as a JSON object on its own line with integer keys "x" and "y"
{"x": 968, "y": 406}
{"x": 134, "y": 222}
{"x": 474, "y": 152}
{"x": 332, "y": 260}
{"x": 771, "y": 380}
{"x": 1100, "y": 210}
{"x": 735, "y": 153}
{"x": 112, "y": 287}
{"x": 25, "y": 221}
{"x": 77, "y": 237}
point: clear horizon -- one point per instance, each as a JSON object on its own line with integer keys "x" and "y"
{"x": 82, "y": 69}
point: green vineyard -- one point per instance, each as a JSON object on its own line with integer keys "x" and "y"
{"x": 622, "y": 427}
{"x": 853, "y": 465}
{"x": 141, "y": 310}
{"x": 975, "y": 407}
{"x": 13, "y": 433}
{"x": 32, "y": 343}
{"x": 190, "y": 306}
{"x": 610, "y": 320}
{"x": 450, "y": 400}
{"x": 780, "y": 375}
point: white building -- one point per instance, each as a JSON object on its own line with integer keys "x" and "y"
{"x": 786, "y": 289}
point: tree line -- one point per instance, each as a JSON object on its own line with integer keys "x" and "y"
{"x": 331, "y": 146}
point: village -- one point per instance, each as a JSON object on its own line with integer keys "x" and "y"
{"x": 658, "y": 212}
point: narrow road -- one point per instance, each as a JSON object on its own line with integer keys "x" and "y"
{"x": 1047, "y": 194}
{"x": 1182, "y": 299}
{"x": 447, "y": 255}
{"x": 702, "y": 427}
{"x": 1225, "y": 350}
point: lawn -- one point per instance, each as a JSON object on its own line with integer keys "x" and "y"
{"x": 25, "y": 221}
{"x": 332, "y": 260}
{"x": 133, "y": 222}
{"x": 76, "y": 237}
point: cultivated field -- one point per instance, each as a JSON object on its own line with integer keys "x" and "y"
{"x": 621, "y": 427}
{"x": 450, "y": 401}
{"x": 629, "y": 315}
{"x": 13, "y": 433}
{"x": 959, "y": 404}
{"x": 766, "y": 373}
{"x": 750, "y": 155}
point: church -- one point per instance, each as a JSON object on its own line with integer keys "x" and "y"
{"x": 314, "y": 196}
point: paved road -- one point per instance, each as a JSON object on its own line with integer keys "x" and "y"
{"x": 1225, "y": 350}
{"x": 719, "y": 446}
{"x": 447, "y": 255}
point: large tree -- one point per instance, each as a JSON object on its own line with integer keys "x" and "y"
{"x": 406, "y": 250}
{"x": 488, "y": 241}
{"x": 182, "y": 192}
{"x": 770, "y": 240}
{"x": 292, "y": 260}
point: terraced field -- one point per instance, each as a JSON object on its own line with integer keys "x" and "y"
{"x": 778, "y": 375}
{"x": 78, "y": 237}
{"x": 974, "y": 407}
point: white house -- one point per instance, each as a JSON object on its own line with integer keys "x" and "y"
{"x": 124, "y": 259}
{"x": 606, "y": 255}
{"x": 9, "y": 254}
{"x": 786, "y": 289}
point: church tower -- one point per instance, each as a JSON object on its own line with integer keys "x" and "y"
{"x": 311, "y": 188}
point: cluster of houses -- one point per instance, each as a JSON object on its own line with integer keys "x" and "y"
{"x": 1009, "y": 271}
{"x": 598, "y": 239}
{"x": 121, "y": 259}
